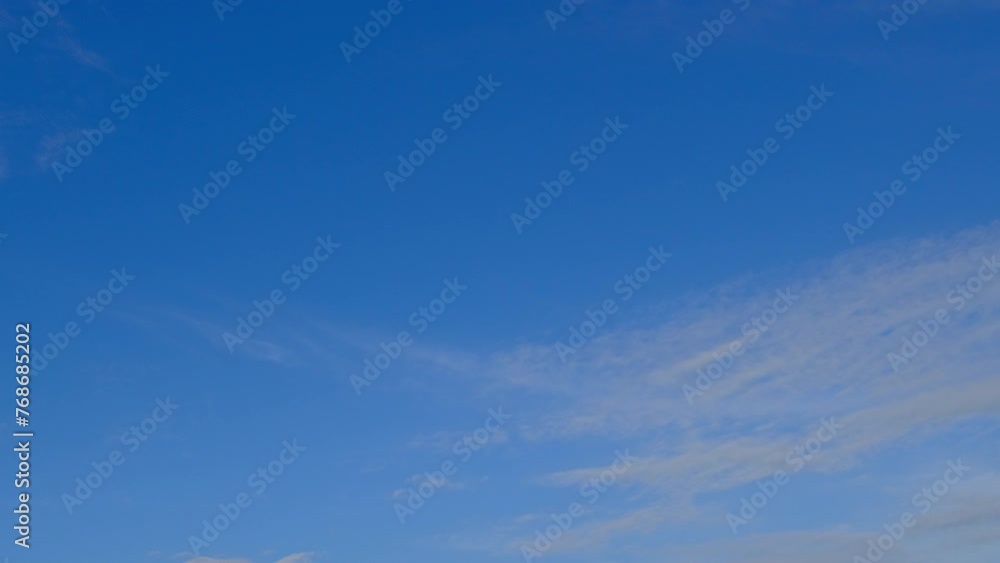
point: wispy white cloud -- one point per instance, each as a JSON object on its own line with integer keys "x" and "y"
{"x": 303, "y": 557}
{"x": 203, "y": 559}
{"x": 72, "y": 47}
{"x": 256, "y": 348}
{"x": 298, "y": 558}
{"x": 445, "y": 440}
{"x": 825, "y": 357}
{"x": 53, "y": 147}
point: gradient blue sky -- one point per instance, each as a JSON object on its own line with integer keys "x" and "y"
{"x": 494, "y": 346}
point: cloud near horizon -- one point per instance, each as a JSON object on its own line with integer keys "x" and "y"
{"x": 304, "y": 557}
{"x": 826, "y": 357}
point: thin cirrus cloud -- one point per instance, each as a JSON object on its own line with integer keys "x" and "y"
{"x": 297, "y": 558}
{"x": 825, "y": 357}
{"x": 72, "y": 47}
{"x": 834, "y": 340}
{"x": 304, "y": 557}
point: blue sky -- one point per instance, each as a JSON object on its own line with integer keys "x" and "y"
{"x": 493, "y": 395}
